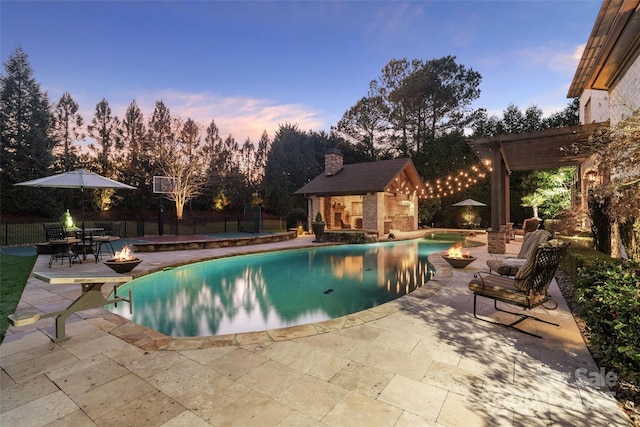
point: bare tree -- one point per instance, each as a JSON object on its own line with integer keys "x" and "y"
{"x": 185, "y": 160}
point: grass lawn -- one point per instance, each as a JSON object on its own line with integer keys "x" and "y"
{"x": 15, "y": 266}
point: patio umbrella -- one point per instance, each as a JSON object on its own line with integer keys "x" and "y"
{"x": 469, "y": 202}
{"x": 79, "y": 178}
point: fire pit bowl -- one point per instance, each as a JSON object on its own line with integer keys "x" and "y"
{"x": 122, "y": 266}
{"x": 457, "y": 262}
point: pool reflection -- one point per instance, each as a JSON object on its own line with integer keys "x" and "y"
{"x": 279, "y": 289}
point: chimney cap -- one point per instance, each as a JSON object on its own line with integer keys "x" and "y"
{"x": 333, "y": 151}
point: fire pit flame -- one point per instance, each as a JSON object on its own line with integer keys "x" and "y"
{"x": 455, "y": 251}
{"x": 124, "y": 255}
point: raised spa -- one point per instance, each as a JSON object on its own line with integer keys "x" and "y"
{"x": 278, "y": 289}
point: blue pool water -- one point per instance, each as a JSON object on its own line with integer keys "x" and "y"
{"x": 279, "y": 289}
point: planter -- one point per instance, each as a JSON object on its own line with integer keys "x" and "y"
{"x": 456, "y": 262}
{"x": 318, "y": 230}
{"x": 121, "y": 267}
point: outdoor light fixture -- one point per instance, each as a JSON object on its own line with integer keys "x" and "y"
{"x": 67, "y": 220}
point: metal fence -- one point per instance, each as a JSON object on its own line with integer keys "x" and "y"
{"x": 14, "y": 232}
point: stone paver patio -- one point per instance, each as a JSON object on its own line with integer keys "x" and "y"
{"x": 421, "y": 360}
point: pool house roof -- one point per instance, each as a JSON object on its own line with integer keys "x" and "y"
{"x": 395, "y": 176}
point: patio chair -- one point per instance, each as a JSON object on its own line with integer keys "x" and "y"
{"x": 61, "y": 244}
{"x": 528, "y": 289}
{"x": 510, "y": 266}
{"x": 110, "y": 233}
{"x": 343, "y": 225}
{"x": 529, "y": 225}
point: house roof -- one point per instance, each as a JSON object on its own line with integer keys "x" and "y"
{"x": 613, "y": 46}
{"x": 397, "y": 176}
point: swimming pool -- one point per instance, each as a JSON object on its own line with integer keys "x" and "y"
{"x": 273, "y": 290}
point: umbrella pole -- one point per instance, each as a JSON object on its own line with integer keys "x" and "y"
{"x": 82, "y": 206}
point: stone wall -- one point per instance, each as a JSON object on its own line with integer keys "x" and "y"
{"x": 351, "y": 236}
{"x": 625, "y": 95}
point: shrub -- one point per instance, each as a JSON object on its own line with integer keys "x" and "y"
{"x": 296, "y": 217}
{"x": 581, "y": 255}
{"x": 609, "y": 298}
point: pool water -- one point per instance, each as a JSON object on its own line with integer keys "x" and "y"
{"x": 278, "y": 289}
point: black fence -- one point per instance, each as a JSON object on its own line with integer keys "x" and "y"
{"x": 15, "y": 232}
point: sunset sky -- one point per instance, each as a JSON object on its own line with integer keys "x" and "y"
{"x": 254, "y": 65}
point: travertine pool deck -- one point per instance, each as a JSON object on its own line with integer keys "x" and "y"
{"x": 421, "y": 360}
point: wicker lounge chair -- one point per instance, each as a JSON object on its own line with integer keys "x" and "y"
{"x": 528, "y": 289}
{"x": 510, "y": 266}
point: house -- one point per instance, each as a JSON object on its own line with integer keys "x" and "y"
{"x": 607, "y": 81}
{"x": 378, "y": 196}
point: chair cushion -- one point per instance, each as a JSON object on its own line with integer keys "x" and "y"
{"x": 500, "y": 266}
{"x": 504, "y": 289}
{"x": 531, "y": 240}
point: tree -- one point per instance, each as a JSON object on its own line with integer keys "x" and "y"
{"x": 185, "y": 161}
{"x": 295, "y": 159}
{"x": 262, "y": 153}
{"x": 67, "y": 129}
{"x": 617, "y": 157}
{"x": 426, "y": 100}
{"x": 214, "y": 188}
{"x": 567, "y": 117}
{"x": 161, "y": 136}
{"x": 548, "y": 192}
{"x": 544, "y": 190}
{"x": 365, "y": 124}
{"x": 136, "y": 165}
{"x": 534, "y": 200}
{"x": 106, "y": 131}
{"x": 233, "y": 181}
{"x": 26, "y": 146}
{"x": 249, "y": 171}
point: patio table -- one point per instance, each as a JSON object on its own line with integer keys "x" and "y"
{"x": 90, "y": 297}
{"x": 87, "y": 245}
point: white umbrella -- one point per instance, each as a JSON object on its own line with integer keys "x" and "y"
{"x": 79, "y": 178}
{"x": 469, "y": 202}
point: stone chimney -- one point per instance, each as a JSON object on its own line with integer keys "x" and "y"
{"x": 333, "y": 161}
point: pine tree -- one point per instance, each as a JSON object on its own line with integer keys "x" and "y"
{"x": 26, "y": 147}
{"x": 66, "y": 130}
{"x": 105, "y": 130}
{"x": 137, "y": 163}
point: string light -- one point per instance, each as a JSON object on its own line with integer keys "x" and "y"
{"x": 457, "y": 182}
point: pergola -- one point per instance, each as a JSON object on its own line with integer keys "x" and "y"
{"x": 538, "y": 150}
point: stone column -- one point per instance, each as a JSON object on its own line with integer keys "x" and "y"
{"x": 496, "y": 241}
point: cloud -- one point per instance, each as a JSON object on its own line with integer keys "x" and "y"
{"x": 241, "y": 117}
{"x": 393, "y": 20}
{"x": 556, "y": 60}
